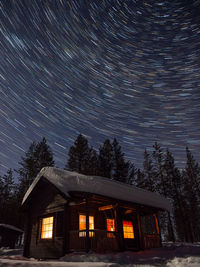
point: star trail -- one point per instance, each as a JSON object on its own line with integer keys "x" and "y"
{"x": 123, "y": 68}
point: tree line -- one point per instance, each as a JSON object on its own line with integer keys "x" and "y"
{"x": 159, "y": 174}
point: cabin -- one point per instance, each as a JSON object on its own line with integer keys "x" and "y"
{"x": 68, "y": 212}
{"x": 9, "y": 235}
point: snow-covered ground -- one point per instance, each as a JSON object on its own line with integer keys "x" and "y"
{"x": 170, "y": 255}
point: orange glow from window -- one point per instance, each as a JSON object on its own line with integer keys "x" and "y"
{"x": 157, "y": 225}
{"x": 128, "y": 229}
{"x": 110, "y": 227}
{"x": 82, "y": 225}
{"x": 47, "y": 228}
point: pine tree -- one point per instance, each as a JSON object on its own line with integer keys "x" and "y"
{"x": 6, "y": 196}
{"x": 132, "y": 174}
{"x": 149, "y": 173}
{"x": 79, "y": 156}
{"x": 120, "y": 166}
{"x": 106, "y": 159}
{"x": 43, "y": 156}
{"x": 140, "y": 179}
{"x": 162, "y": 186}
{"x": 191, "y": 190}
{"x": 93, "y": 162}
{"x": 175, "y": 192}
{"x": 161, "y": 181}
{"x": 38, "y": 156}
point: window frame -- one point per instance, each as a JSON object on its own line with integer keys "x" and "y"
{"x": 91, "y": 231}
{"x": 40, "y": 227}
{"x": 149, "y": 225}
{"x": 126, "y": 232}
{"x": 110, "y": 234}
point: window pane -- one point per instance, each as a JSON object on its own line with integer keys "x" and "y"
{"x": 47, "y": 228}
{"x": 82, "y": 222}
{"x": 148, "y": 225}
{"x": 82, "y": 225}
{"x": 128, "y": 229}
{"x": 91, "y": 222}
{"x": 110, "y": 225}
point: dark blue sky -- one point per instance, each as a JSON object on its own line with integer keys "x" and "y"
{"x": 125, "y": 69}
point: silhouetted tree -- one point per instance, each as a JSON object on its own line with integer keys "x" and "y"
{"x": 149, "y": 179}
{"x": 132, "y": 174}
{"x": 140, "y": 179}
{"x": 120, "y": 166}
{"x": 106, "y": 159}
{"x": 80, "y": 155}
{"x": 191, "y": 176}
{"x": 39, "y": 155}
{"x": 7, "y": 195}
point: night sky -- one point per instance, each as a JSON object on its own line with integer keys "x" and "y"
{"x": 123, "y": 68}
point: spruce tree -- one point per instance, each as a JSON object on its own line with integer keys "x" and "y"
{"x": 120, "y": 166}
{"x": 191, "y": 192}
{"x": 140, "y": 179}
{"x": 93, "y": 162}
{"x": 79, "y": 156}
{"x": 149, "y": 173}
{"x": 132, "y": 173}
{"x": 39, "y": 155}
{"x": 162, "y": 186}
{"x": 106, "y": 159}
{"x": 7, "y": 205}
{"x": 175, "y": 192}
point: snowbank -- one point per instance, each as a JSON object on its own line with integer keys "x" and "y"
{"x": 171, "y": 255}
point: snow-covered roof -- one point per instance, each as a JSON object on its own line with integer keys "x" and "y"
{"x": 66, "y": 182}
{"x": 11, "y": 227}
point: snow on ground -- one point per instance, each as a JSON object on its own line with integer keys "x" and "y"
{"x": 170, "y": 255}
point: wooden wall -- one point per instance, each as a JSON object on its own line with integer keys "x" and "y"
{"x": 46, "y": 203}
{"x": 99, "y": 242}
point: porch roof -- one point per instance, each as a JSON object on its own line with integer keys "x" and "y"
{"x": 66, "y": 182}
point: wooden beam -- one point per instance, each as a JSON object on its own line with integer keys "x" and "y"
{"x": 108, "y": 207}
{"x": 66, "y": 229}
{"x": 141, "y": 245}
{"x": 157, "y": 217}
{"x": 87, "y": 241}
{"x": 129, "y": 211}
{"x": 119, "y": 228}
{"x": 27, "y": 237}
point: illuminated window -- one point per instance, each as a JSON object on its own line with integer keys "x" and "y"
{"x": 110, "y": 227}
{"x": 47, "y": 228}
{"x": 82, "y": 226}
{"x": 128, "y": 229}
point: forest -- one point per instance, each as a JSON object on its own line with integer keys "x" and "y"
{"x": 159, "y": 174}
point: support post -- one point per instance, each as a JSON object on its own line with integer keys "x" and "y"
{"x": 66, "y": 229}
{"x": 158, "y": 220}
{"x": 119, "y": 228}
{"x": 87, "y": 241}
{"x": 27, "y": 237}
{"x": 141, "y": 245}
{"x": 171, "y": 227}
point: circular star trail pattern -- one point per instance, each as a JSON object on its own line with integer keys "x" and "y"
{"x": 125, "y": 69}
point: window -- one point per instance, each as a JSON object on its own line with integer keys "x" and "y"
{"x": 47, "y": 228}
{"x": 148, "y": 225}
{"x": 82, "y": 225}
{"x": 128, "y": 229}
{"x": 110, "y": 227}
